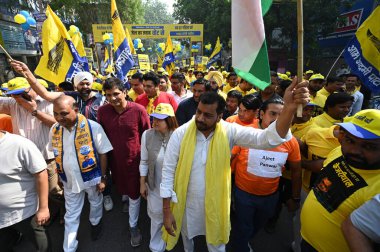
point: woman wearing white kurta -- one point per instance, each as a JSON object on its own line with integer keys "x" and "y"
{"x": 153, "y": 147}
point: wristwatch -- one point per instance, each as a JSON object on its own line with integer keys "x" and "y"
{"x": 104, "y": 177}
{"x": 34, "y": 112}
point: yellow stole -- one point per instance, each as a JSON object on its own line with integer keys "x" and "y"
{"x": 86, "y": 154}
{"x": 150, "y": 107}
{"x": 218, "y": 186}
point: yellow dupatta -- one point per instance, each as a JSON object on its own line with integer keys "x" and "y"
{"x": 218, "y": 186}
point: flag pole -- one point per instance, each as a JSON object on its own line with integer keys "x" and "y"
{"x": 328, "y": 74}
{"x": 300, "y": 49}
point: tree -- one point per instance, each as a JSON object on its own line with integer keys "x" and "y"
{"x": 84, "y": 13}
{"x": 156, "y": 13}
{"x": 214, "y": 14}
{"x": 319, "y": 19}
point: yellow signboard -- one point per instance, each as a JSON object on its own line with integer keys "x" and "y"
{"x": 144, "y": 62}
{"x": 204, "y": 60}
{"x": 153, "y": 31}
{"x": 89, "y": 54}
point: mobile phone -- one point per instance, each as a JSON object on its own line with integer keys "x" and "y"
{"x": 26, "y": 96}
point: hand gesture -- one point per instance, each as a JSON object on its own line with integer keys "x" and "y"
{"x": 143, "y": 190}
{"x": 42, "y": 216}
{"x": 169, "y": 222}
{"x": 296, "y": 93}
{"x": 101, "y": 186}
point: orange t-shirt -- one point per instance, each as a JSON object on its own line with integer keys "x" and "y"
{"x": 6, "y": 123}
{"x": 258, "y": 171}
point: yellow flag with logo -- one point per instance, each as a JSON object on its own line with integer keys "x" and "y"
{"x": 78, "y": 43}
{"x": 123, "y": 57}
{"x": 168, "y": 63}
{"x": 130, "y": 42}
{"x": 362, "y": 53}
{"x": 60, "y": 60}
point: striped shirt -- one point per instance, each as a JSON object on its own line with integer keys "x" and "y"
{"x": 29, "y": 126}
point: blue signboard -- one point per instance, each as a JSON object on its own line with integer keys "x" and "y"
{"x": 347, "y": 23}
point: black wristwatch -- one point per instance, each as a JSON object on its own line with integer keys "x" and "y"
{"x": 104, "y": 177}
{"x": 34, "y": 112}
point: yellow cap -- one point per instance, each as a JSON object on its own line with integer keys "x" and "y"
{"x": 17, "y": 85}
{"x": 283, "y": 76}
{"x": 365, "y": 124}
{"x": 97, "y": 86}
{"x": 43, "y": 82}
{"x": 161, "y": 69}
{"x": 309, "y": 72}
{"x": 317, "y": 77}
{"x": 4, "y": 86}
{"x": 163, "y": 110}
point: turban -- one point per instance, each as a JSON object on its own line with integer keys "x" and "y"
{"x": 83, "y": 76}
{"x": 217, "y": 76}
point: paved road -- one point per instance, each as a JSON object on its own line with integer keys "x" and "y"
{"x": 116, "y": 235}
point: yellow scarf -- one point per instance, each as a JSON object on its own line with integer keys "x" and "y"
{"x": 85, "y": 152}
{"x": 150, "y": 107}
{"x": 218, "y": 186}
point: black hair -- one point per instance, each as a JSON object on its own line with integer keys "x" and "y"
{"x": 250, "y": 102}
{"x": 152, "y": 77}
{"x": 138, "y": 76}
{"x": 352, "y": 75}
{"x": 203, "y": 82}
{"x": 337, "y": 98}
{"x": 284, "y": 84}
{"x": 231, "y": 74}
{"x": 197, "y": 72}
{"x": 179, "y": 76}
{"x": 273, "y": 74}
{"x": 113, "y": 82}
{"x": 210, "y": 98}
{"x": 274, "y": 100}
{"x": 163, "y": 77}
{"x": 235, "y": 94}
{"x": 66, "y": 86}
{"x": 333, "y": 79}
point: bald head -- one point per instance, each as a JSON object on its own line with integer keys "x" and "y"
{"x": 65, "y": 111}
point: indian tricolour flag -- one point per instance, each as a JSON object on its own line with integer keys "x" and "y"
{"x": 249, "y": 49}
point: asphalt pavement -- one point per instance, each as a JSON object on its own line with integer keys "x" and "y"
{"x": 116, "y": 236}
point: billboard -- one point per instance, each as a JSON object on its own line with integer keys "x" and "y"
{"x": 153, "y": 31}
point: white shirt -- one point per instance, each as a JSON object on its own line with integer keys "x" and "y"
{"x": 178, "y": 98}
{"x": 74, "y": 182}
{"x": 26, "y": 125}
{"x": 237, "y": 135}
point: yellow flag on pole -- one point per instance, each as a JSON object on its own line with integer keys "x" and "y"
{"x": 60, "y": 60}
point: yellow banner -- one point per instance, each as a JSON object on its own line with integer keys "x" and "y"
{"x": 204, "y": 60}
{"x": 153, "y": 31}
{"x": 192, "y": 61}
{"x": 89, "y": 54}
{"x": 144, "y": 62}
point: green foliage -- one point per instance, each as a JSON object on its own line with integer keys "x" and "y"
{"x": 156, "y": 13}
{"x": 214, "y": 14}
{"x": 84, "y": 13}
{"x": 319, "y": 19}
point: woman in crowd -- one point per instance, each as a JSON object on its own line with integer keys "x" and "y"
{"x": 153, "y": 147}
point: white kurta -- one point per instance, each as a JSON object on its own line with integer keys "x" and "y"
{"x": 195, "y": 208}
{"x": 74, "y": 182}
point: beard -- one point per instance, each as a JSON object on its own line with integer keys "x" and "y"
{"x": 85, "y": 93}
{"x": 360, "y": 163}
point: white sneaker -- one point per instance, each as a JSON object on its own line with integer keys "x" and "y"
{"x": 108, "y": 203}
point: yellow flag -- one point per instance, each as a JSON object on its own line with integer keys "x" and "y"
{"x": 130, "y": 42}
{"x": 60, "y": 61}
{"x": 169, "y": 59}
{"x": 123, "y": 57}
{"x": 78, "y": 43}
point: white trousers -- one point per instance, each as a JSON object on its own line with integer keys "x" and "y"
{"x": 74, "y": 204}
{"x": 156, "y": 221}
{"x": 134, "y": 210}
{"x": 188, "y": 245}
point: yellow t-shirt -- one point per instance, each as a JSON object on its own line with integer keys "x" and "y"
{"x": 323, "y": 92}
{"x": 340, "y": 190}
{"x": 227, "y": 88}
{"x": 318, "y": 100}
{"x": 132, "y": 94}
{"x": 320, "y": 142}
{"x": 300, "y": 129}
{"x": 244, "y": 92}
{"x": 325, "y": 121}
{"x": 222, "y": 94}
